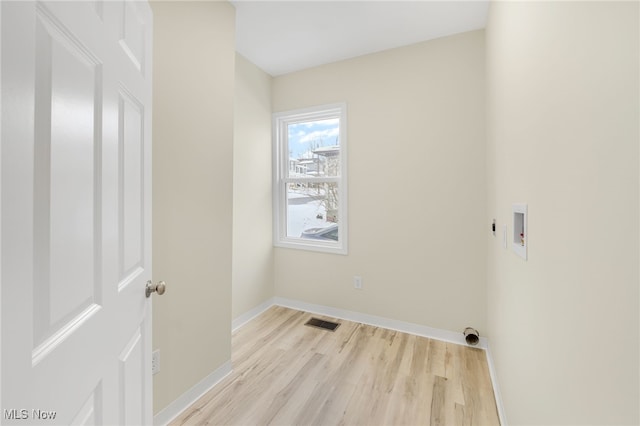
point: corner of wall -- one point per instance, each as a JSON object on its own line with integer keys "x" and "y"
{"x": 252, "y": 212}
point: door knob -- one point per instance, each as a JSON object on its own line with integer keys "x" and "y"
{"x": 159, "y": 288}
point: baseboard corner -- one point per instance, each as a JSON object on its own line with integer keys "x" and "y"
{"x": 496, "y": 388}
{"x": 251, "y": 314}
{"x": 173, "y": 410}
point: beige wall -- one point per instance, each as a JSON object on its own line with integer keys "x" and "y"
{"x": 563, "y": 137}
{"x": 252, "y": 237}
{"x": 192, "y": 191}
{"x": 416, "y": 185}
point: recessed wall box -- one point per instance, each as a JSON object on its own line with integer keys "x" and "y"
{"x": 520, "y": 232}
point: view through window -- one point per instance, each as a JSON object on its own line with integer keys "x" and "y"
{"x": 311, "y": 171}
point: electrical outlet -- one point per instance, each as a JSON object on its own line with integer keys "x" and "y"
{"x": 155, "y": 361}
{"x": 357, "y": 282}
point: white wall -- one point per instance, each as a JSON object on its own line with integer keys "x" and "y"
{"x": 563, "y": 120}
{"x": 193, "y": 76}
{"x": 416, "y": 185}
{"x": 252, "y": 237}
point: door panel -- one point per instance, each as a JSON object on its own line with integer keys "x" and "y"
{"x": 131, "y": 121}
{"x": 132, "y": 35}
{"x": 67, "y": 195}
{"x": 89, "y": 413}
{"x": 75, "y": 220}
{"x": 131, "y": 392}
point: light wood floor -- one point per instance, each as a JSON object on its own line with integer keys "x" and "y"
{"x": 285, "y": 373}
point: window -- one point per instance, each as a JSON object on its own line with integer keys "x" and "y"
{"x": 310, "y": 179}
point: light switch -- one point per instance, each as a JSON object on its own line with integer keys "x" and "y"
{"x": 504, "y": 236}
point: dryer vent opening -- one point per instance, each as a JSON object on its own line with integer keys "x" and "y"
{"x": 471, "y": 336}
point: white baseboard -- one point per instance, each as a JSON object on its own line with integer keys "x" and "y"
{"x": 502, "y": 415}
{"x": 185, "y": 400}
{"x": 248, "y": 316}
{"x": 391, "y": 324}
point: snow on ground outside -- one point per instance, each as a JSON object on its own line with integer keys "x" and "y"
{"x": 303, "y": 216}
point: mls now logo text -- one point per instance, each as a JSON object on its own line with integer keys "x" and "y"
{"x": 23, "y": 414}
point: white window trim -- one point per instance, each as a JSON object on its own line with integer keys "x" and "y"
{"x": 280, "y": 167}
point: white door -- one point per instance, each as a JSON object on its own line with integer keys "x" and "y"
{"x": 75, "y": 176}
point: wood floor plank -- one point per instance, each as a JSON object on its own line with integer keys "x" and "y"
{"x": 286, "y": 373}
{"x": 438, "y": 417}
{"x": 343, "y": 364}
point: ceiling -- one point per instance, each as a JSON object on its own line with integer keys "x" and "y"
{"x": 285, "y": 36}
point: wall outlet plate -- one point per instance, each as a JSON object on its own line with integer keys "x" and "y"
{"x": 357, "y": 282}
{"x": 155, "y": 362}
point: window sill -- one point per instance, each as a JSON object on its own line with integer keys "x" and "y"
{"x": 317, "y": 246}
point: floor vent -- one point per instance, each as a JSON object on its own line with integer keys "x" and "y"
{"x": 325, "y": 325}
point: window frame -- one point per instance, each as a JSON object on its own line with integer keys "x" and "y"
{"x": 280, "y": 123}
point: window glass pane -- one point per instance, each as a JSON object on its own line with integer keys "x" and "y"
{"x": 312, "y": 211}
{"x": 314, "y": 148}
